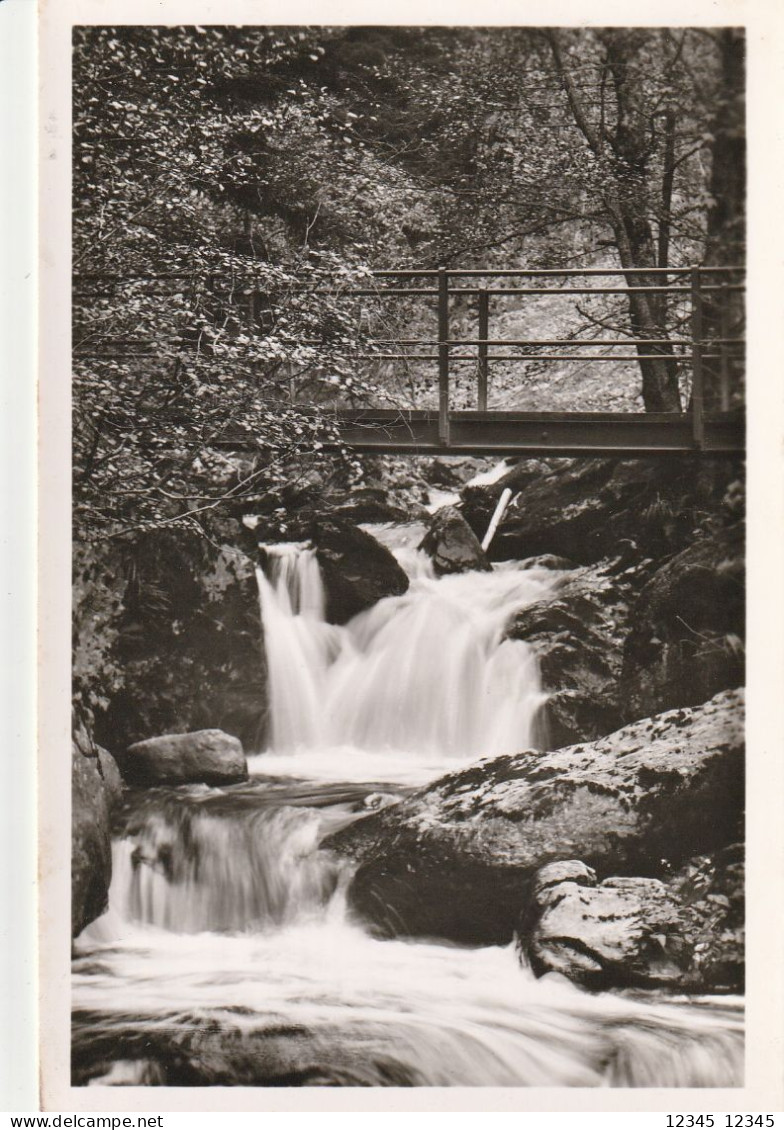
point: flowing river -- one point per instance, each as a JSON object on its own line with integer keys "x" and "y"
{"x": 228, "y": 955}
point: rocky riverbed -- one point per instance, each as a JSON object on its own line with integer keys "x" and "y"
{"x": 612, "y": 852}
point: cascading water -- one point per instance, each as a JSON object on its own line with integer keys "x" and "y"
{"x": 426, "y": 678}
{"x": 228, "y": 955}
{"x": 189, "y": 870}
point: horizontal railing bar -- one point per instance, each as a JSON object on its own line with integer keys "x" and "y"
{"x": 418, "y": 274}
{"x": 494, "y": 292}
{"x": 379, "y": 293}
{"x": 378, "y": 415}
{"x": 540, "y": 272}
{"x": 541, "y": 290}
{"x": 472, "y": 291}
{"x": 593, "y": 344}
{"x": 598, "y": 343}
{"x": 528, "y": 357}
{"x": 555, "y": 290}
{"x": 566, "y": 272}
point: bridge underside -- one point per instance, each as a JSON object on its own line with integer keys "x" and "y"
{"x": 540, "y": 433}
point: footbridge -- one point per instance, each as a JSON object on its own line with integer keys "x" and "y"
{"x": 701, "y": 306}
{"x": 705, "y": 352}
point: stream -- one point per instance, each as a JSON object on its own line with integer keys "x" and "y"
{"x": 228, "y": 955}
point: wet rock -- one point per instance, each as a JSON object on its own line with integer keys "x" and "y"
{"x": 390, "y": 490}
{"x": 183, "y": 649}
{"x": 452, "y": 473}
{"x": 237, "y": 1048}
{"x": 564, "y": 871}
{"x": 583, "y": 509}
{"x": 112, "y": 777}
{"x": 710, "y": 891}
{"x": 547, "y": 561}
{"x": 209, "y": 757}
{"x": 623, "y": 932}
{"x": 578, "y": 633}
{"x": 456, "y": 859}
{"x": 685, "y": 933}
{"x": 376, "y": 801}
{"x": 688, "y": 625}
{"x": 400, "y": 477}
{"x": 357, "y": 570}
{"x": 552, "y": 513}
{"x": 613, "y": 1044}
{"x": 369, "y": 504}
{"x": 618, "y": 644}
{"x": 95, "y": 789}
{"x": 452, "y": 545}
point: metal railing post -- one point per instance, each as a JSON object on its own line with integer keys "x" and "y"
{"x": 443, "y": 356}
{"x": 724, "y": 333}
{"x": 697, "y": 382}
{"x": 484, "y": 328}
{"x": 252, "y": 310}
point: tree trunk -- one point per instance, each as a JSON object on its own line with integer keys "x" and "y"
{"x": 660, "y": 392}
{"x": 625, "y": 153}
{"x": 724, "y": 315}
{"x": 627, "y": 204}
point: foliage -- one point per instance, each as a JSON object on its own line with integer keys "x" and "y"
{"x": 231, "y": 183}
{"x": 173, "y": 359}
{"x": 97, "y": 604}
{"x": 167, "y": 638}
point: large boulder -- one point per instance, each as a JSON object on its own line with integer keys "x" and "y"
{"x": 621, "y": 932}
{"x": 209, "y": 757}
{"x": 356, "y": 569}
{"x": 552, "y": 510}
{"x": 455, "y": 859}
{"x": 371, "y": 504}
{"x": 710, "y": 890}
{"x": 578, "y": 632}
{"x": 451, "y": 472}
{"x": 586, "y": 509}
{"x": 95, "y": 789}
{"x": 685, "y": 934}
{"x": 112, "y": 777}
{"x": 169, "y": 638}
{"x": 617, "y": 641}
{"x": 452, "y": 544}
{"x": 688, "y": 626}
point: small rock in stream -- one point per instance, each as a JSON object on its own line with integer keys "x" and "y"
{"x": 452, "y": 544}
{"x": 209, "y": 757}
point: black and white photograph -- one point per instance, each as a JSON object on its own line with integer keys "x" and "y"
{"x": 408, "y": 386}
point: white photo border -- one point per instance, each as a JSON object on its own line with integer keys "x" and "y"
{"x": 764, "y": 24}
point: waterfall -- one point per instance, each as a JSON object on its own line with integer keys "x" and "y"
{"x": 233, "y": 961}
{"x": 229, "y": 955}
{"x": 189, "y": 870}
{"x": 427, "y": 675}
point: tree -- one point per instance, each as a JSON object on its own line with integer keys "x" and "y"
{"x": 726, "y": 223}
{"x": 173, "y": 353}
{"x": 231, "y": 183}
{"x": 623, "y": 138}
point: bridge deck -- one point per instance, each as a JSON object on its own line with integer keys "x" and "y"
{"x": 539, "y": 433}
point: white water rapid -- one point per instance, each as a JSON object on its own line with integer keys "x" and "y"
{"x": 228, "y": 956}
{"x": 411, "y": 686}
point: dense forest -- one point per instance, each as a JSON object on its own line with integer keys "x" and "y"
{"x": 231, "y": 184}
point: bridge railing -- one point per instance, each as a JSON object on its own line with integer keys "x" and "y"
{"x": 702, "y": 307}
{"x": 701, "y": 287}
